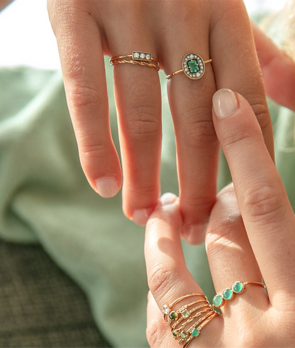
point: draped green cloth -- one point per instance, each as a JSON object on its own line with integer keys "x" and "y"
{"x": 45, "y": 198}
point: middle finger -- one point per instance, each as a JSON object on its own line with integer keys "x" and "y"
{"x": 190, "y": 103}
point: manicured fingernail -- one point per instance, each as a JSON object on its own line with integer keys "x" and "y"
{"x": 168, "y": 198}
{"x": 141, "y": 216}
{"x": 225, "y": 103}
{"x": 195, "y": 234}
{"x": 107, "y": 187}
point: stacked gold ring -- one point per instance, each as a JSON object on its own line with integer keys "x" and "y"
{"x": 137, "y": 58}
{"x": 187, "y": 321}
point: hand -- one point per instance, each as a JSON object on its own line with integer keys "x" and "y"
{"x": 89, "y": 29}
{"x": 250, "y": 237}
{"x": 278, "y": 69}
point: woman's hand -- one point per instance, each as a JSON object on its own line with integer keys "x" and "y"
{"x": 89, "y": 29}
{"x": 250, "y": 237}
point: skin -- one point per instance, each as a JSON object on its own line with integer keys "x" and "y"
{"x": 250, "y": 237}
{"x": 89, "y": 29}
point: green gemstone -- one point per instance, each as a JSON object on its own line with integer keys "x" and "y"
{"x": 195, "y": 333}
{"x": 238, "y": 287}
{"x": 183, "y": 335}
{"x": 173, "y": 316}
{"x": 227, "y": 294}
{"x": 193, "y": 65}
{"x": 217, "y": 300}
{"x": 185, "y": 313}
{"x": 174, "y": 334}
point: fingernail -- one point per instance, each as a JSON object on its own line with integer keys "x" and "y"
{"x": 195, "y": 234}
{"x": 168, "y": 198}
{"x": 141, "y": 216}
{"x": 224, "y": 103}
{"x": 107, "y": 187}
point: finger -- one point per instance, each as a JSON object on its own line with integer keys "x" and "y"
{"x": 278, "y": 69}
{"x": 157, "y": 332}
{"x": 190, "y": 104}
{"x": 235, "y": 60}
{"x": 85, "y": 85}
{"x": 230, "y": 255}
{"x": 263, "y": 202}
{"x": 168, "y": 277}
{"x": 138, "y": 99}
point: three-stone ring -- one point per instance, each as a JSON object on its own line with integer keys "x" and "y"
{"x": 137, "y": 58}
{"x": 193, "y": 66}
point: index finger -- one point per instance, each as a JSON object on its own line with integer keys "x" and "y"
{"x": 80, "y": 48}
{"x": 262, "y": 199}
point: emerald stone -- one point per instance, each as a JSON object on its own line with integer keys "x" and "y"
{"x": 227, "y": 294}
{"x": 238, "y": 287}
{"x": 195, "y": 333}
{"x": 174, "y": 334}
{"x": 183, "y": 335}
{"x": 193, "y": 65}
{"x": 185, "y": 313}
{"x": 173, "y": 316}
{"x": 217, "y": 300}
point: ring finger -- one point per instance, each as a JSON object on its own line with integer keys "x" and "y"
{"x": 230, "y": 255}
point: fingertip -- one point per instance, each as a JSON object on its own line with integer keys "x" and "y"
{"x": 107, "y": 187}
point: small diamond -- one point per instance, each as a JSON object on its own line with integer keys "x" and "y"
{"x": 191, "y": 56}
{"x": 165, "y": 309}
{"x": 195, "y": 75}
{"x": 136, "y": 55}
{"x": 185, "y": 69}
{"x": 148, "y": 56}
{"x": 142, "y": 56}
{"x": 198, "y": 74}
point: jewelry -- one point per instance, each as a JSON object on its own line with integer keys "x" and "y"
{"x": 139, "y": 58}
{"x": 193, "y": 66}
{"x": 229, "y": 293}
{"x": 179, "y": 319}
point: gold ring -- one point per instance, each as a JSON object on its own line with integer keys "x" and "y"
{"x": 137, "y": 58}
{"x": 229, "y": 293}
{"x": 187, "y": 321}
{"x": 193, "y": 66}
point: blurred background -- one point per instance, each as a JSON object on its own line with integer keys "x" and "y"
{"x": 26, "y": 37}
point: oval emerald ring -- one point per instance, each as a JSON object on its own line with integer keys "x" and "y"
{"x": 193, "y": 66}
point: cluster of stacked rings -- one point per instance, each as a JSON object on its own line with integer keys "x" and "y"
{"x": 187, "y": 321}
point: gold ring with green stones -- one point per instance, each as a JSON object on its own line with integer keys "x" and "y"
{"x": 229, "y": 293}
{"x": 193, "y": 66}
{"x": 187, "y": 321}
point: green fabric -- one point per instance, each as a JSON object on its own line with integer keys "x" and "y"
{"x": 45, "y": 198}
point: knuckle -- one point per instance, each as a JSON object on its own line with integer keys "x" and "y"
{"x": 263, "y": 202}
{"x": 222, "y": 232}
{"x": 199, "y": 133}
{"x": 162, "y": 280}
{"x": 261, "y": 111}
{"x": 93, "y": 150}
{"x": 86, "y": 97}
{"x": 236, "y": 138}
{"x": 142, "y": 124}
{"x": 152, "y": 334}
